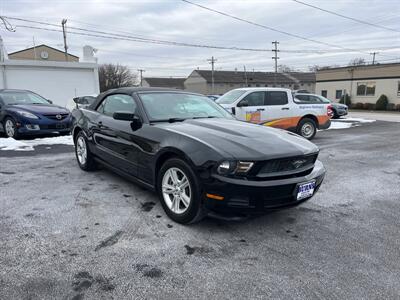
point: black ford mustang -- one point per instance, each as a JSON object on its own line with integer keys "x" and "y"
{"x": 194, "y": 153}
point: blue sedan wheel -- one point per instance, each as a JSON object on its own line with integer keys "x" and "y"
{"x": 10, "y": 128}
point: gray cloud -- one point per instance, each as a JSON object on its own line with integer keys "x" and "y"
{"x": 178, "y": 21}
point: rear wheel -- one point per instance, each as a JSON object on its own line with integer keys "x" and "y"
{"x": 10, "y": 128}
{"x": 83, "y": 155}
{"x": 180, "y": 192}
{"x": 307, "y": 128}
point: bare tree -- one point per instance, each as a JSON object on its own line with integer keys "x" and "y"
{"x": 113, "y": 76}
{"x": 314, "y": 68}
{"x": 285, "y": 69}
{"x": 359, "y": 61}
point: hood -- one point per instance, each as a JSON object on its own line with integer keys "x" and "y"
{"x": 242, "y": 140}
{"x": 41, "y": 109}
{"x": 339, "y": 105}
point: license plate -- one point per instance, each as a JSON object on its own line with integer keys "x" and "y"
{"x": 60, "y": 126}
{"x": 305, "y": 190}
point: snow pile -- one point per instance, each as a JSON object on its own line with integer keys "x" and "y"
{"x": 28, "y": 145}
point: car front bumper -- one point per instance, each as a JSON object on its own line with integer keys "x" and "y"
{"x": 39, "y": 127}
{"x": 341, "y": 112}
{"x": 248, "y": 197}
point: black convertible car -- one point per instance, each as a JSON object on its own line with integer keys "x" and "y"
{"x": 196, "y": 156}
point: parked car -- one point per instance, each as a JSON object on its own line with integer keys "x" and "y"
{"x": 27, "y": 113}
{"x": 80, "y": 102}
{"x": 213, "y": 97}
{"x": 338, "y": 109}
{"x": 196, "y": 155}
{"x": 276, "y": 107}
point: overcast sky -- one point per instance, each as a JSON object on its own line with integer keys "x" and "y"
{"x": 174, "y": 20}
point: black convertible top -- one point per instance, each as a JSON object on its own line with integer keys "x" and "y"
{"x": 130, "y": 91}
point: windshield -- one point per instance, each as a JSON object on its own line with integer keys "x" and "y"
{"x": 21, "y": 97}
{"x": 323, "y": 99}
{"x": 180, "y": 106}
{"x": 230, "y": 97}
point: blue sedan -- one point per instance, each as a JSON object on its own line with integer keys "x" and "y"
{"x": 26, "y": 113}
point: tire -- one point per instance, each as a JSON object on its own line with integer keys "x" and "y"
{"x": 83, "y": 155}
{"x": 11, "y": 133}
{"x": 335, "y": 115}
{"x": 189, "y": 208}
{"x": 307, "y": 128}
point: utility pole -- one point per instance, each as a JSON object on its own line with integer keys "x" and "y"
{"x": 141, "y": 75}
{"x": 34, "y": 48}
{"x": 373, "y": 56}
{"x": 245, "y": 74}
{"x": 212, "y": 62}
{"x": 275, "y": 57}
{"x": 63, "y": 22}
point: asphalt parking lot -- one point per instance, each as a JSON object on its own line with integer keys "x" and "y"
{"x": 66, "y": 234}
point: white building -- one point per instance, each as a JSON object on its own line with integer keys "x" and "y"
{"x": 365, "y": 84}
{"x": 55, "y": 80}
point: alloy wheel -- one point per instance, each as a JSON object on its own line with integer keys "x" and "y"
{"x": 10, "y": 128}
{"x": 307, "y": 130}
{"x": 176, "y": 190}
{"x": 81, "y": 150}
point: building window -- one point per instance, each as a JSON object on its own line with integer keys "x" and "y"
{"x": 366, "y": 88}
{"x": 324, "y": 93}
{"x": 290, "y": 85}
{"x": 282, "y": 85}
{"x": 266, "y": 85}
{"x": 257, "y": 85}
{"x": 398, "y": 89}
{"x": 338, "y": 94}
{"x": 249, "y": 85}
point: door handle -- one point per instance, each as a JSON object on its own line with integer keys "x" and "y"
{"x": 285, "y": 108}
{"x": 100, "y": 124}
{"x": 260, "y": 109}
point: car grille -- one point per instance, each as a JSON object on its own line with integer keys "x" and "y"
{"x": 54, "y": 116}
{"x": 299, "y": 165}
{"x": 54, "y": 126}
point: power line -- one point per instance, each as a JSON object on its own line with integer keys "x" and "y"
{"x": 139, "y": 39}
{"x": 270, "y": 28}
{"x": 165, "y": 42}
{"x": 346, "y": 17}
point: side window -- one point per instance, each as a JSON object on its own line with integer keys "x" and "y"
{"x": 303, "y": 98}
{"x": 117, "y": 102}
{"x": 315, "y": 99}
{"x": 276, "y": 98}
{"x": 254, "y": 99}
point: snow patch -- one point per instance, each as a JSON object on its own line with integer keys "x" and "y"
{"x": 28, "y": 145}
{"x": 340, "y": 125}
{"x": 359, "y": 120}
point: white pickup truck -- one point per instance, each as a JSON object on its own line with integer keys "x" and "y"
{"x": 277, "y": 107}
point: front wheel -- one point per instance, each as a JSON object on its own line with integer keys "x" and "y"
{"x": 307, "y": 128}
{"x": 10, "y": 128}
{"x": 180, "y": 192}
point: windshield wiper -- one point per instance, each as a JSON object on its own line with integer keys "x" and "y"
{"x": 170, "y": 120}
{"x": 208, "y": 117}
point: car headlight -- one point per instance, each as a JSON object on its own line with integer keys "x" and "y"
{"x": 27, "y": 114}
{"x": 234, "y": 167}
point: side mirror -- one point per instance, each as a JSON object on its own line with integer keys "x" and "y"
{"x": 243, "y": 103}
{"x": 136, "y": 122}
{"x": 51, "y": 102}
